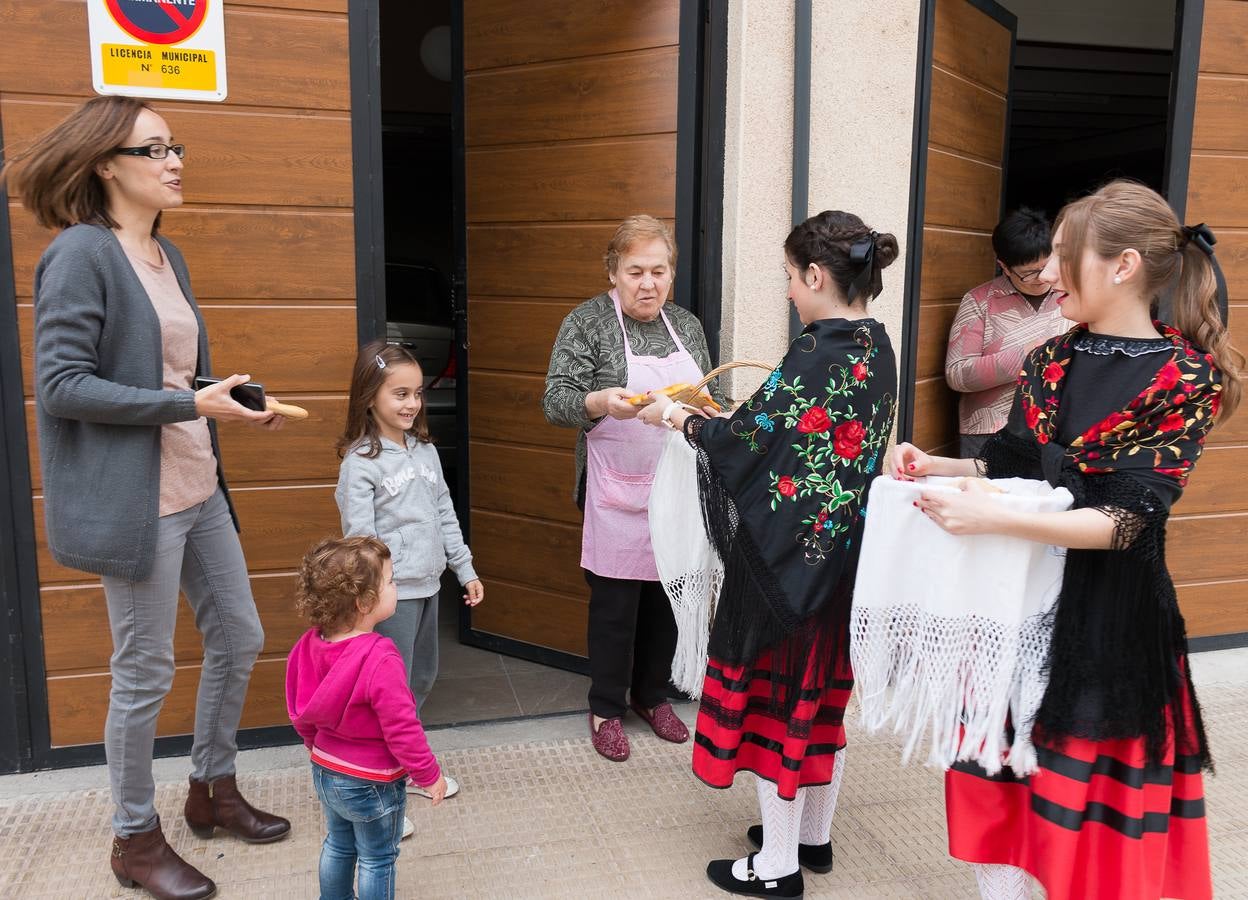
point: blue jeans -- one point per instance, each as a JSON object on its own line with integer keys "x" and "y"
{"x": 364, "y": 820}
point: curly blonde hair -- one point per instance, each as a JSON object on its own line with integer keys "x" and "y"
{"x": 339, "y": 580}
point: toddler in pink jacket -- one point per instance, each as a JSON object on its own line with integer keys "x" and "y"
{"x": 348, "y": 697}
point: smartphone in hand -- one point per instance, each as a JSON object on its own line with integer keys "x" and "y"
{"x": 250, "y": 395}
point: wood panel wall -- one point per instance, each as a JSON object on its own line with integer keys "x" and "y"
{"x": 267, "y": 233}
{"x": 570, "y": 125}
{"x": 1206, "y": 552}
{"x": 965, "y": 147}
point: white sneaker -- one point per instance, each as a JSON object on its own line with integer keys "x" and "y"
{"x": 452, "y": 788}
{"x": 408, "y": 828}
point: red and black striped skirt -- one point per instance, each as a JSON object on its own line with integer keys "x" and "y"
{"x": 1096, "y": 822}
{"x": 738, "y": 731}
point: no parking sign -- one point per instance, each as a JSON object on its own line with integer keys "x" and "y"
{"x": 158, "y": 48}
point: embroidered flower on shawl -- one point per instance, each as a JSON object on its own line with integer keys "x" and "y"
{"x": 1172, "y": 422}
{"x": 847, "y": 439}
{"x": 1054, "y": 372}
{"x": 1105, "y": 426}
{"x": 1167, "y": 378}
{"x": 836, "y": 444}
{"x": 1032, "y": 413}
{"x": 814, "y": 421}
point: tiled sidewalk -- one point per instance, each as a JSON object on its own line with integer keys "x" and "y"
{"x": 550, "y": 819}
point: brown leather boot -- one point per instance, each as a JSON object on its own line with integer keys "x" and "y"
{"x": 147, "y": 861}
{"x": 219, "y": 804}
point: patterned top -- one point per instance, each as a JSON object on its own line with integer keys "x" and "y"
{"x": 992, "y": 333}
{"x": 589, "y": 356}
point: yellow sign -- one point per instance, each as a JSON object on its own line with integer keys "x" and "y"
{"x": 166, "y": 49}
{"x": 159, "y": 67}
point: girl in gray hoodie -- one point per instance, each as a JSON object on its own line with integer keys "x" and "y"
{"x": 391, "y": 486}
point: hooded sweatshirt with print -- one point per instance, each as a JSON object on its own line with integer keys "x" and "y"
{"x": 401, "y": 497}
{"x": 350, "y": 702}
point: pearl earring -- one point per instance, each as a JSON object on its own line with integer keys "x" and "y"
{"x": 1117, "y": 280}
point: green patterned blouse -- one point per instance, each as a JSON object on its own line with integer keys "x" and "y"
{"x": 589, "y": 356}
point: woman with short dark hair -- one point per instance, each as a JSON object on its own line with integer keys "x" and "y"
{"x": 997, "y": 323}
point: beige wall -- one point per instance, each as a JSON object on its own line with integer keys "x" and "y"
{"x": 862, "y": 124}
{"x": 862, "y": 108}
{"x": 757, "y": 182}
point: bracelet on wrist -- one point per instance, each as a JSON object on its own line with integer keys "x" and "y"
{"x": 666, "y": 418}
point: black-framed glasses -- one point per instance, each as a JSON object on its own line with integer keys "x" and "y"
{"x": 154, "y": 151}
{"x": 1026, "y": 277}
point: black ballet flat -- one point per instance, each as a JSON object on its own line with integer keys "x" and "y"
{"x": 719, "y": 871}
{"x": 815, "y": 857}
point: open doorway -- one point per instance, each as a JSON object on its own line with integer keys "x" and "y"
{"x": 1024, "y": 102}
{"x": 1089, "y": 97}
{"x": 424, "y": 250}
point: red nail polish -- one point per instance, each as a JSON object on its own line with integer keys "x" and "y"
{"x": 911, "y": 467}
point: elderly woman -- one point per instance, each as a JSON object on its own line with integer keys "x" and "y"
{"x": 623, "y": 342}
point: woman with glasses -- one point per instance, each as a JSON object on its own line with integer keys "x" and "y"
{"x": 998, "y": 323}
{"x": 132, "y": 480}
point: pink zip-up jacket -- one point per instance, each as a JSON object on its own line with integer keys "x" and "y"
{"x": 350, "y": 702}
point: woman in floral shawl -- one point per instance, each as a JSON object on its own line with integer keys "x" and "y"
{"x": 783, "y": 480}
{"x": 1116, "y": 411}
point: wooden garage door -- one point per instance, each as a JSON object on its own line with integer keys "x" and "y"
{"x": 1206, "y": 535}
{"x": 267, "y": 233}
{"x": 971, "y": 50}
{"x": 570, "y": 125}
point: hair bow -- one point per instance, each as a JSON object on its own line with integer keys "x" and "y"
{"x": 1202, "y": 236}
{"x": 862, "y": 251}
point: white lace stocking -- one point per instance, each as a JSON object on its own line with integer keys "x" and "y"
{"x": 782, "y": 821}
{"x": 819, "y": 805}
{"x": 1002, "y": 882}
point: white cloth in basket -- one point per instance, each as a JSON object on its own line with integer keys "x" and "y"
{"x": 948, "y": 633}
{"x": 688, "y": 565}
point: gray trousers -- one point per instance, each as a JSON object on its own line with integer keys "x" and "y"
{"x": 414, "y": 630}
{"x": 198, "y": 551}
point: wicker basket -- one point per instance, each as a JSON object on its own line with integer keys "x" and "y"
{"x": 695, "y": 394}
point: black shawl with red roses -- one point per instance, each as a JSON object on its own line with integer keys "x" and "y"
{"x": 1119, "y": 640}
{"x": 782, "y": 483}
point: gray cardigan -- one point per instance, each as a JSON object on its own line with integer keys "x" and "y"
{"x": 99, "y": 371}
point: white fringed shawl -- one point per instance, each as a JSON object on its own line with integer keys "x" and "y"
{"x": 689, "y": 568}
{"x": 949, "y": 634}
